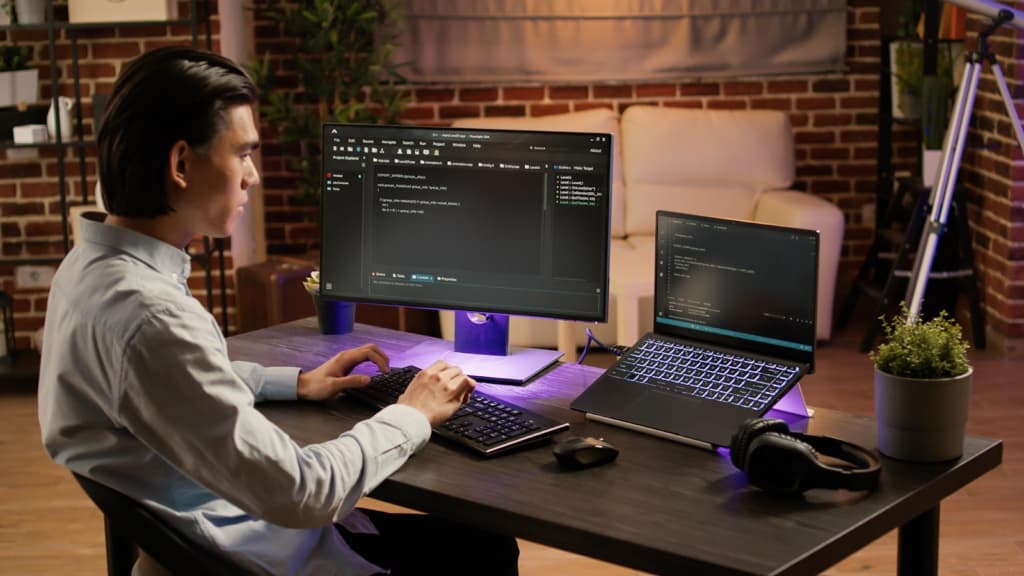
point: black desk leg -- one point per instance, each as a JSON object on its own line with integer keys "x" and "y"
{"x": 919, "y": 544}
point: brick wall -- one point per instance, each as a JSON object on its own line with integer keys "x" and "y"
{"x": 834, "y": 118}
{"x": 30, "y": 206}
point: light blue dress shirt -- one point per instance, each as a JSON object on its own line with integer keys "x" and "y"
{"x": 136, "y": 392}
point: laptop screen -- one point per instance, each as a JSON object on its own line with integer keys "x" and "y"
{"x": 743, "y": 285}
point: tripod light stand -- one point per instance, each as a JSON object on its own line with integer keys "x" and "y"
{"x": 953, "y": 147}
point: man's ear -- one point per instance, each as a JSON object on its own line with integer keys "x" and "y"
{"x": 178, "y": 162}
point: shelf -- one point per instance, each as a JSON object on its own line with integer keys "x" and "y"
{"x": 16, "y": 27}
{"x": 72, "y": 144}
{"x": 198, "y": 21}
{"x": 95, "y": 25}
{"x": 30, "y": 260}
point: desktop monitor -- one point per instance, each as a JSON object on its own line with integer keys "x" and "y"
{"x": 487, "y": 223}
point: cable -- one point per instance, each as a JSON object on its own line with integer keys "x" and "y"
{"x": 617, "y": 350}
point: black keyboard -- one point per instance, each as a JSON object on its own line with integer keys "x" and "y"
{"x": 485, "y": 424}
{"x": 704, "y": 373}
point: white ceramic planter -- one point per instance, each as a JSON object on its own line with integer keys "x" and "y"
{"x": 30, "y": 11}
{"x": 922, "y": 420}
{"x": 19, "y": 86}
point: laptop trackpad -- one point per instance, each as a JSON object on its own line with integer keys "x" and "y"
{"x": 662, "y": 411}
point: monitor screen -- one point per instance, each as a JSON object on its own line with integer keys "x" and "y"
{"x": 497, "y": 221}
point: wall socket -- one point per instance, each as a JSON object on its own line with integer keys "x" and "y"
{"x": 33, "y": 276}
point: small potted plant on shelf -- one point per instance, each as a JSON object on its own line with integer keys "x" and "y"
{"x": 922, "y": 388}
{"x": 19, "y": 81}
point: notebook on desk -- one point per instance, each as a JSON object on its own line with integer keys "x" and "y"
{"x": 734, "y": 331}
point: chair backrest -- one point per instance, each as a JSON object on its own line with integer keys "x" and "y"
{"x": 130, "y": 524}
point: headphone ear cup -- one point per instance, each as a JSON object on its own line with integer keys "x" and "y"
{"x": 752, "y": 428}
{"x": 780, "y": 463}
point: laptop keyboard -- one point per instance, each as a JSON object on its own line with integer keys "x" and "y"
{"x": 704, "y": 373}
{"x": 485, "y": 424}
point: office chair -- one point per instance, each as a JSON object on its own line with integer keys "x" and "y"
{"x": 129, "y": 524}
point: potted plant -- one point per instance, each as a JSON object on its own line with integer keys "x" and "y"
{"x": 342, "y": 61}
{"x": 19, "y": 81}
{"x": 333, "y": 316}
{"x": 922, "y": 388}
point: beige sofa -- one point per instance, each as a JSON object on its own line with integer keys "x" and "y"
{"x": 725, "y": 163}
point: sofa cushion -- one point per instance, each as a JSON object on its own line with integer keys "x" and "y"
{"x": 600, "y": 120}
{"x": 721, "y": 200}
{"x": 664, "y": 145}
{"x": 669, "y": 146}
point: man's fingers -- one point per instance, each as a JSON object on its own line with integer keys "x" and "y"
{"x": 350, "y": 381}
{"x": 349, "y": 359}
{"x": 378, "y": 357}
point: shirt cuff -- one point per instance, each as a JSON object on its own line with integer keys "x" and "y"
{"x": 279, "y": 383}
{"x": 409, "y": 419}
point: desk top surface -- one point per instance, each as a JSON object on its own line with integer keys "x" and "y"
{"x": 660, "y": 507}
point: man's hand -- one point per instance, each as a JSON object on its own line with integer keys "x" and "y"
{"x": 331, "y": 377}
{"x": 438, "y": 391}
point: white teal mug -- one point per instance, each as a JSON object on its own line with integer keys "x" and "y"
{"x": 62, "y": 105}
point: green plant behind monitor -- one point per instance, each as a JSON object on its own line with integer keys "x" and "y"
{"x": 342, "y": 59}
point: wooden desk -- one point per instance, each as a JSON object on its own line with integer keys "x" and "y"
{"x": 661, "y": 507}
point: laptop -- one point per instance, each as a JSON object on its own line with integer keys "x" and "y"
{"x": 734, "y": 331}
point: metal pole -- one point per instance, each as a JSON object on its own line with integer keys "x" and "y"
{"x": 942, "y": 193}
{"x": 1011, "y": 110}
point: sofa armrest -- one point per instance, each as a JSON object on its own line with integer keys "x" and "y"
{"x": 801, "y": 210}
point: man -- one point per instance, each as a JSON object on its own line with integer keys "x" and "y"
{"x": 136, "y": 390}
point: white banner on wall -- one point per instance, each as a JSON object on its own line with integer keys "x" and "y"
{"x": 618, "y": 40}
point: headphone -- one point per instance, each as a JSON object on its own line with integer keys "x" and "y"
{"x": 783, "y": 462}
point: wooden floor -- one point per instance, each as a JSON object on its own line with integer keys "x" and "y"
{"x": 47, "y": 526}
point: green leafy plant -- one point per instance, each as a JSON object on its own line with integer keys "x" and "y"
{"x": 922, "y": 349}
{"x": 343, "y": 62}
{"x": 15, "y": 57}
{"x": 935, "y": 93}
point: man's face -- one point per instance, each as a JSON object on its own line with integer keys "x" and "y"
{"x": 220, "y": 175}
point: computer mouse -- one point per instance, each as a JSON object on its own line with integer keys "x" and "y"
{"x": 579, "y": 452}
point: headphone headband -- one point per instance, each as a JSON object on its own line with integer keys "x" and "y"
{"x": 863, "y": 476}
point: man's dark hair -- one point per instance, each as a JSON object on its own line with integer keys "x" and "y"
{"x": 163, "y": 96}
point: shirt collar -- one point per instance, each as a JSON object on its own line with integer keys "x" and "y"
{"x": 159, "y": 255}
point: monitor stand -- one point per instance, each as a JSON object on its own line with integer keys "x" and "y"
{"x": 482, "y": 350}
